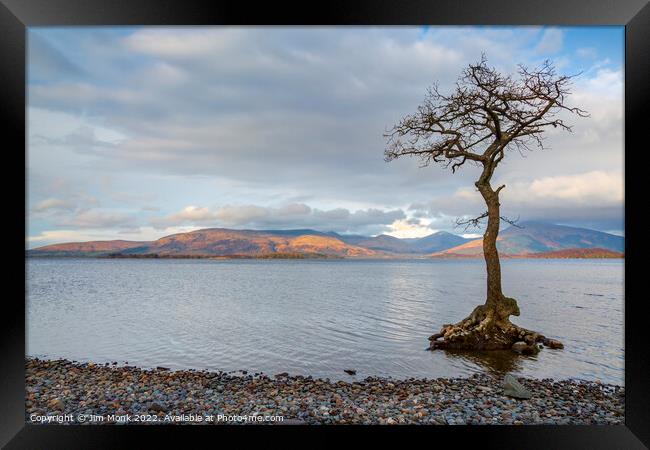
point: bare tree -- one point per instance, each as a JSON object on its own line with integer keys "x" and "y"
{"x": 487, "y": 114}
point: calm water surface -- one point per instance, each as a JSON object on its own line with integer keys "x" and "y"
{"x": 319, "y": 317}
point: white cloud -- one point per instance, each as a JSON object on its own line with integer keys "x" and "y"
{"x": 52, "y": 204}
{"x": 587, "y": 52}
{"x": 166, "y": 75}
{"x": 294, "y": 215}
{"x": 592, "y": 188}
{"x": 571, "y": 198}
{"x": 191, "y": 214}
{"x": 606, "y": 82}
{"x": 184, "y": 43}
{"x": 97, "y": 219}
{"x": 409, "y": 229}
{"x": 551, "y": 41}
{"x": 61, "y": 236}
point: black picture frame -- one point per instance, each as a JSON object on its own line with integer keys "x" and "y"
{"x": 17, "y": 15}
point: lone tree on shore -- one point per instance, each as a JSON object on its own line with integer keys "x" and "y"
{"x": 487, "y": 114}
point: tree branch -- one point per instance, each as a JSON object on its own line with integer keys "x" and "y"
{"x": 512, "y": 222}
{"x": 474, "y": 222}
{"x": 487, "y": 113}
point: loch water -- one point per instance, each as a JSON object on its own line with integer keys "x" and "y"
{"x": 319, "y": 317}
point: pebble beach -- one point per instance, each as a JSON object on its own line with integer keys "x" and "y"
{"x": 62, "y": 391}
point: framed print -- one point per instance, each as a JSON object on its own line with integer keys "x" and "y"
{"x": 391, "y": 218}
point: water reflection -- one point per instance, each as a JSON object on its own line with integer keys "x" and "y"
{"x": 494, "y": 362}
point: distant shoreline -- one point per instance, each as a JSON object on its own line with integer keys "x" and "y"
{"x": 61, "y": 387}
{"x": 157, "y": 256}
{"x": 457, "y": 257}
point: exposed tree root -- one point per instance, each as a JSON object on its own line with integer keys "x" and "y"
{"x": 488, "y": 328}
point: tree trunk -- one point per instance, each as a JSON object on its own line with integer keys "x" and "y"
{"x": 490, "y": 252}
{"x": 496, "y": 303}
{"x": 488, "y": 327}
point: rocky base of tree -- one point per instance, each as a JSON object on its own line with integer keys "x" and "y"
{"x": 488, "y": 328}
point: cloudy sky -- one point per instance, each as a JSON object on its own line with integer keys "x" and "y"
{"x": 136, "y": 133}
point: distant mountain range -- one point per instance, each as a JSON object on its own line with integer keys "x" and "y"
{"x": 533, "y": 239}
{"x": 428, "y": 244}
{"x": 537, "y": 237}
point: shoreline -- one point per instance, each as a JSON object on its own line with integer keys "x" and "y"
{"x": 62, "y": 388}
{"x": 532, "y": 256}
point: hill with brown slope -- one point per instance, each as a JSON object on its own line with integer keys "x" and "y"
{"x": 87, "y": 248}
{"x": 537, "y": 237}
{"x": 215, "y": 242}
{"x": 471, "y": 249}
{"x": 223, "y": 242}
